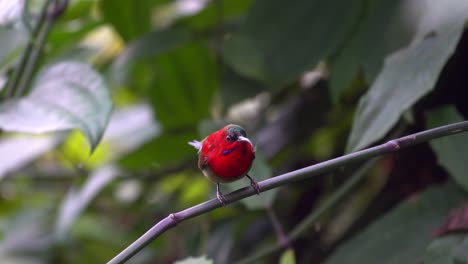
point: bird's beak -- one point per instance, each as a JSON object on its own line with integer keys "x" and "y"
{"x": 241, "y": 138}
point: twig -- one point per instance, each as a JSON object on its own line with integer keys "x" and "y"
{"x": 283, "y": 240}
{"x": 54, "y": 10}
{"x": 12, "y": 83}
{"x": 301, "y": 174}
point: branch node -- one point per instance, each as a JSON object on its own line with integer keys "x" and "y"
{"x": 174, "y": 218}
{"x": 393, "y": 145}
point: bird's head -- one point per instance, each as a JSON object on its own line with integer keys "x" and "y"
{"x": 234, "y": 133}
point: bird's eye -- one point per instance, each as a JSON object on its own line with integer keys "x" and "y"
{"x": 229, "y": 138}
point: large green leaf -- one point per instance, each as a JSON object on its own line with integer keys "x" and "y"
{"x": 402, "y": 235}
{"x": 451, "y": 151}
{"x": 66, "y": 95}
{"x": 285, "y": 39}
{"x": 149, "y": 45}
{"x": 129, "y": 18}
{"x": 409, "y": 74}
{"x": 184, "y": 86}
{"x": 382, "y": 29}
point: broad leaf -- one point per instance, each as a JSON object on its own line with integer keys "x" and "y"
{"x": 382, "y": 29}
{"x": 409, "y": 74}
{"x": 184, "y": 86}
{"x": 285, "y": 39}
{"x": 451, "y": 151}
{"x": 129, "y": 18}
{"x": 402, "y": 235}
{"x": 149, "y": 45}
{"x": 66, "y": 95}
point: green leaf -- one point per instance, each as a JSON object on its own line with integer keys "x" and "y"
{"x": 290, "y": 38}
{"x": 184, "y": 86}
{"x": 260, "y": 171}
{"x": 66, "y": 95}
{"x": 451, "y": 151}
{"x": 408, "y": 74}
{"x": 382, "y": 29}
{"x": 195, "y": 260}
{"x": 209, "y": 17}
{"x": 287, "y": 257}
{"x": 129, "y": 18}
{"x": 447, "y": 250}
{"x": 149, "y": 45}
{"x": 402, "y": 235}
{"x": 244, "y": 58}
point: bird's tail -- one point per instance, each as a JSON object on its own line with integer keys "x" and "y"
{"x": 195, "y": 143}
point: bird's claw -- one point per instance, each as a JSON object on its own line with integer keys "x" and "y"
{"x": 254, "y": 185}
{"x": 220, "y": 195}
{"x": 221, "y": 198}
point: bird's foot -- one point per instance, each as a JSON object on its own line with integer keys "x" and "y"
{"x": 220, "y": 195}
{"x": 221, "y": 198}
{"x": 254, "y": 185}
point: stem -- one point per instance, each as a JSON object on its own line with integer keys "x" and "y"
{"x": 11, "y": 86}
{"x": 301, "y": 174}
{"x": 34, "y": 55}
{"x": 283, "y": 240}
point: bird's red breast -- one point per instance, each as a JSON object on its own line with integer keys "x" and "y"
{"x": 227, "y": 153}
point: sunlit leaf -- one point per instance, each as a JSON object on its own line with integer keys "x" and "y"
{"x": 409, "y": 74}
{"x": 287, "y": 257}
{"x": 11, "y": 11}
{"x": 195, "y": 260}
{"x": 66, "y": 95}
{"x": 451, "y": 151}
{"x": 78, "y": 199}
{"x": 17, "y": 152}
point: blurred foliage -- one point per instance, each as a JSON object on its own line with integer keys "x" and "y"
{"x": 309, "y": 80}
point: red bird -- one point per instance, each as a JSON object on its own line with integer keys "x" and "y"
{"x": 225, "y": 156}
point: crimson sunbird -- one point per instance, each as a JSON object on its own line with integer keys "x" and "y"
{"x": 225, "y": 156}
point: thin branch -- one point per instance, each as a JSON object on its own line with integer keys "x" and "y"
{"x": 53, "y": 12}
{"x": 290, "y": 177}
{"x": 10, "y": 89}
{"x": 283, "y": 240}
